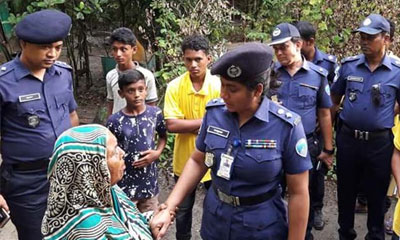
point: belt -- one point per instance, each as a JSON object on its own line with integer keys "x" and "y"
{"x": 32, "y": 165}
{"x": 310, "y": 135}
{"x": 243, "y": 201}
{"x": 364, "y": 135}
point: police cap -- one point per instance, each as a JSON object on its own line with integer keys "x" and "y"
{"x": 244, "y": 63}
{"x": 374, "y": 24}
{"x": 42, "y": 27}
{"x": 283, "y": 32}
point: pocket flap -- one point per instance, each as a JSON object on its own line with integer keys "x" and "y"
{"x": 263, "y": 154}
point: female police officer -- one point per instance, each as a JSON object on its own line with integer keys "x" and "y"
{"x": 246, "y": 140}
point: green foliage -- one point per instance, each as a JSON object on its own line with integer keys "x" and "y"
{"x": 165, "y": 158}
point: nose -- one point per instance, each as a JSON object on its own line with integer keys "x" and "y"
{"x": 52, "y": 52}
{"x": 193, "y": 64}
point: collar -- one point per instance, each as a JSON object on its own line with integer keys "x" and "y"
{"x": 204, "y": 89}
{"x": 318, "y": 57}
{"x": 385, "y": 61}
{"x": 21, "y": 71}
{"x": 262, "y": 112}
{"x": 305, "y": 65}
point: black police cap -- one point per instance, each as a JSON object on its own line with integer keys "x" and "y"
{"x": 42, "y": 27}
{"x": 244, "y": 62}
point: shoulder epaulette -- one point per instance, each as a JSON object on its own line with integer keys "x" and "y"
{"x": 330, "y": 58}
{"x": 285, "y": 114}
{"x": 63, "y": 65}
{"x": 215, "y": 102}
{"x": 395, "y": 62}
{"x": 319, "y": 70}
{"x": 6, "y": 68}
{"x": 350, "y": 59}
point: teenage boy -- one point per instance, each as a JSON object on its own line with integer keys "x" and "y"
{"x": 185, "y": 101}
{"x": 135, "y": 127}
{"x": 123, "y": 47}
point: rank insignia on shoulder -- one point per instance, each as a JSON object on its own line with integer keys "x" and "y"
{"x": 301, "y": 147}
{"x": 218, "y": 131}
{"x": 3, "y": 69}
{"x": 209, "y": 159}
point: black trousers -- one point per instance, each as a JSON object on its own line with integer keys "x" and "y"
{"x": 355, "y": 159}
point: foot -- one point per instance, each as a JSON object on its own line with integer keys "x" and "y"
{"x": 318, "y": 219}
{"x": 361, "y": 208}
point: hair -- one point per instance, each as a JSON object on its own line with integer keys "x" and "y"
{"x": 124, "y": 35}
{"x": 128, "y": 77}
{"x": 195, "y": 42}
{"x": 306, "y": 29}
{"x": 296, "y": 39}
{"x": 392, "y": 28}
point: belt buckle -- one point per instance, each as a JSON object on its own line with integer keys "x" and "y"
{"x": 234, "y": 201}
{"x": 361, "y": 135}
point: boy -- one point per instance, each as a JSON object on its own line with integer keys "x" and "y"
{"x": 123, "y": 46}
{"x": 135, "y": 127}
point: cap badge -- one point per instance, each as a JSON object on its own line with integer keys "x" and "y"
{"x": 234, "y": 71}
{"x": 276, "y": 32}
{"x": 367, "y": 22}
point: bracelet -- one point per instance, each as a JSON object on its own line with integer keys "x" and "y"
{"x": 330, "y": 152}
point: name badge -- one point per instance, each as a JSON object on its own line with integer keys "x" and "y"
{"x": 225, "y": 166}
{"x": 355, "y": 79}
{"x": 29, "y": 97}
{"x": 218, "y": 131}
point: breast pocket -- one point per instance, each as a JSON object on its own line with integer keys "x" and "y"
{"x": 62, "y": 107}
{"x": 31, "y": 108}
{"x": 355, "y": 86}
{"x": 215, "y": 143}
{"x": 263, "y": 162}
{"x": 308, "y": 95}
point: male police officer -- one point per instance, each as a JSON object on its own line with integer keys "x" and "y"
{"x": 36, "y": 105}
{"x": 370, "y": 83}
{"x": 304, "y": 90}
{"x": 319, "y": 58}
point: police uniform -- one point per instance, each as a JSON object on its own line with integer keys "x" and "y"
{"x": 364, "y": 140}
{"x": 33, "y": 114}
{"x": 246, "y": 162}
{"x": 327, "y": 61}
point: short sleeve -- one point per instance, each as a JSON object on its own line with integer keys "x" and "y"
{"x": 111, "y": 124}
{"x": 200, "y": 145}
{"x": 324, "y": 94}
{"x": 110, "y": 96}
{"x": 72, "y": 105}
{"x": 160, "y": 125}
{"x": 151, "y": 88}
{"x": 171, "y": 106}
{"x": 296, "y": 158}
{"x": 339, "y": 83}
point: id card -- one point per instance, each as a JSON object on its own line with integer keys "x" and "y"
{"x": 225, "y": 166}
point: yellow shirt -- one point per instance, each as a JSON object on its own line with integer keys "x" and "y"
{"x": 396, "y": 217}
{"x": 183, "y": 102}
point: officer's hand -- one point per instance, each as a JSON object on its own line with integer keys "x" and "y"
{"x": 147, "y": 158}
{"x": 160, "y": 223}
{"x": 327, "y": 159}
{"x": 3, "y": 203}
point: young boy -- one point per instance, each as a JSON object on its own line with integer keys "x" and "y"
{"x": 123, "y": 47}
{"x": 135, "y": 127}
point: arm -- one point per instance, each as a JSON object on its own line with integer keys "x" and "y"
{"x": 73, "y": 116}
{"x": 336, "y": 99}
{"x": 183, "y": 125}
{"x": 298, "y": 204}
{"x": 110, "y": 105}
{"x": 192, "y": 173}
{"x": 325, "y": 122}
{"x": 396, "y": 166}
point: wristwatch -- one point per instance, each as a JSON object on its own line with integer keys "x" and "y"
{"x": 330, "y": 152}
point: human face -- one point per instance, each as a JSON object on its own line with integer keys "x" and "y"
{"x": 135, "y": 94}
{"x": 115, "y": 159}
{"x": 196, "y": 63}
{"x": 40, "y": 56}
{"x": 288, "y": 52}
{"x": 373, "y": 45}
{"x": 308, "y": 47}
{"x": 122, "y": 53}
{"x": 237, "y": 97}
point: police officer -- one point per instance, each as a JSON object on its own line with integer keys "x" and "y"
{"x": 370, "y": 84}
{"x": 246, "y": 140}
{"x": 36, "y": 105}
{"x": 304, "y": 90}
{"x": 313, "y": 54}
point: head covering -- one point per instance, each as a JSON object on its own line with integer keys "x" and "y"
{"x": 43, "y": 27}
{"x": 283, "y": 32}
{"x": 374, "y": 24}
{"x": 81, "y": 200}
{"x": 244, "y": 62}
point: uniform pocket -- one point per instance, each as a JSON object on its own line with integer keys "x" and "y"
{"x": 214, "y": 142}
{"x": 30, "y": 108}
{"x": 308, "y": 95}
{"x": 355, "y": 86}
{"x": 262, "y": 154}
{"x": 62, "y": 105}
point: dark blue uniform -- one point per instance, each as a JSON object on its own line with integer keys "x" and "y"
{"x": 271, "y": 141}
{"x": 327, "y": 61}
{"x": 33, "y": 114}
{"x": 364, "y": 139}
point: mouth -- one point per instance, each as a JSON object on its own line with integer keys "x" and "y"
{"x": 48, "y": 62}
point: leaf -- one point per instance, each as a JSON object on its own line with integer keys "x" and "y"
{"x": 58, "y": 1}
{"x": 81, "y": 5}
{"x": 328, "y": 11}
{"x": 80, "y": 15}
{"x": 42, "y": 4}
{"x": 322, "y": 26}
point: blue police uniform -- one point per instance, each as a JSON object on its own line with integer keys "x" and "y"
{"x": 33, "y": 113}
{"x": 363, "y": 139}
{"x": 259, "y": 157}
{"x": 327, "y": 61}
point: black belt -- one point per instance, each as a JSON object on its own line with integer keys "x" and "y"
{"x": 364, "y": 135}
{"x": 243, "y": 201}
{"x": 32, "y": 165}
{"x": 310, "y": 135}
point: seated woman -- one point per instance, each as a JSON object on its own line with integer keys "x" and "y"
{"x": 84, "y": 201}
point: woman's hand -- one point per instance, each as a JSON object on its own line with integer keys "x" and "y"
{"x": 161, "y": 221}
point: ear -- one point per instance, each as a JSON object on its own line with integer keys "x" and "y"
{"x": 311, "y": 41}
{"x": 22, "y": 44}
{"x": 299, "y": 44}
{"x": 258, "y": 90}
{"x": 120, "y": 93}
{"x": 134, "y": 50}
